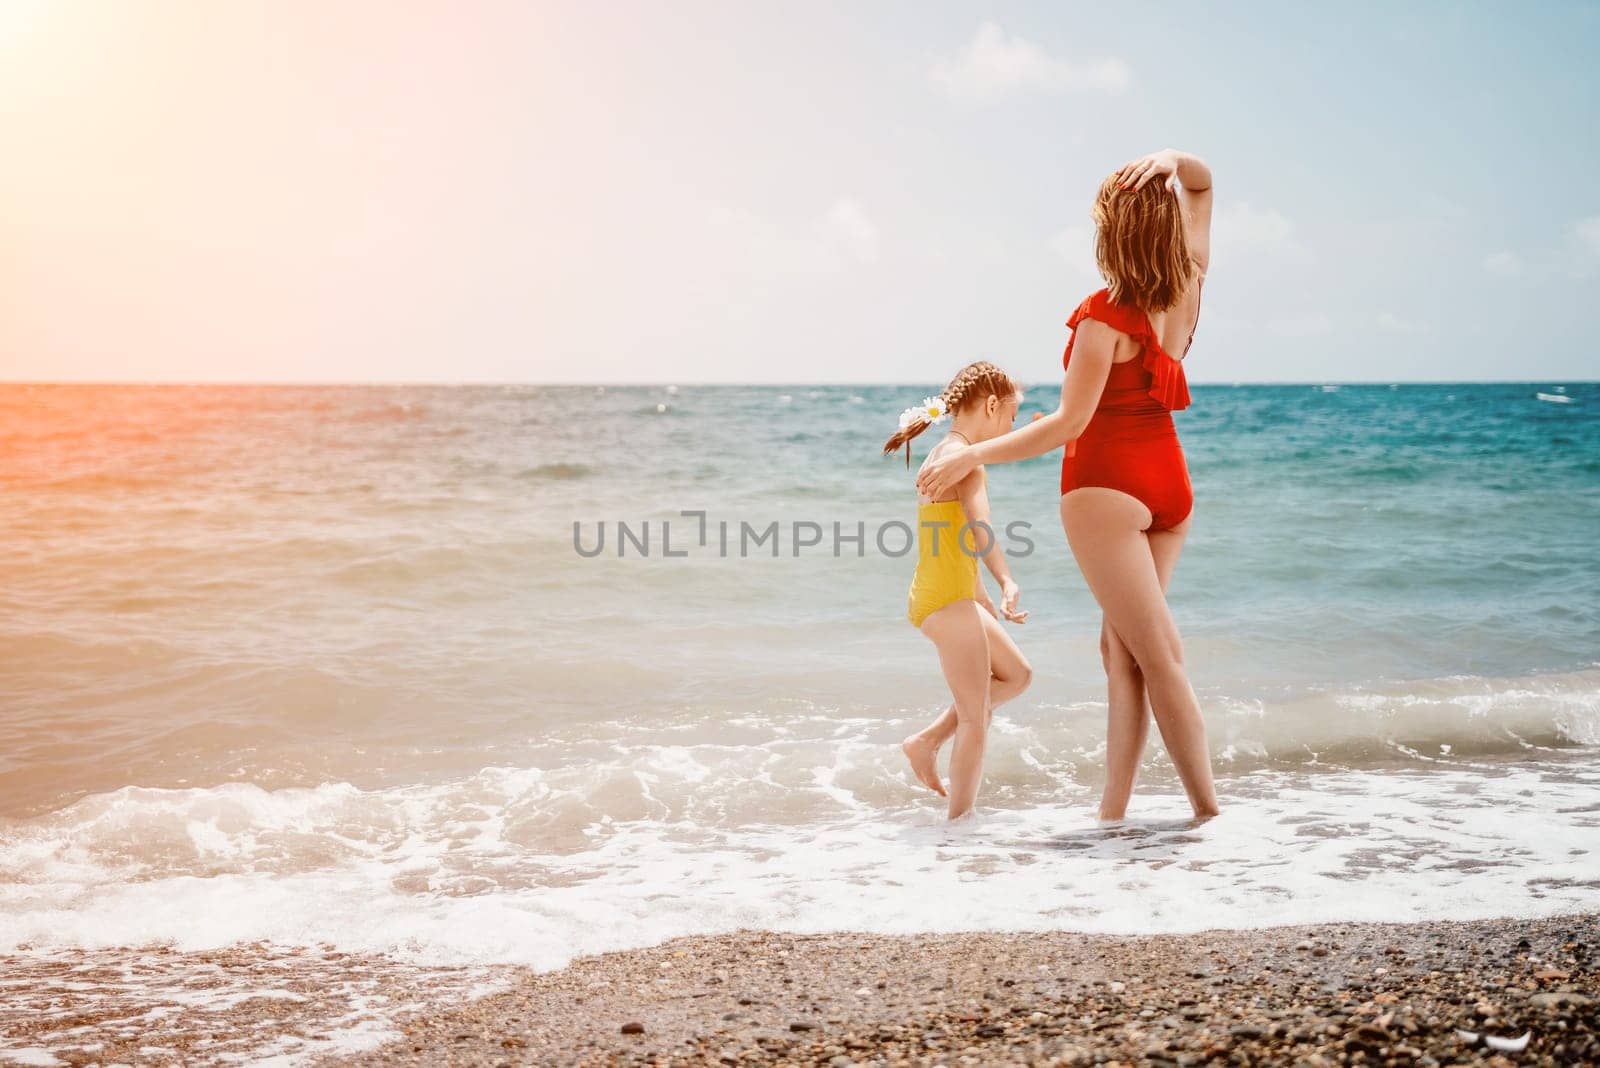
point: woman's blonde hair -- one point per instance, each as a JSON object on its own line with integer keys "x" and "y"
{"x": 972, "y": 384}
{"x": 1139, "y": 245}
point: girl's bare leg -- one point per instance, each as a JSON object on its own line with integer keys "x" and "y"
{"x": 922, "y": 748}
{"x": 1105, "y": 528}
{"x": 1009, "y": 675}
{"x": 963, "y": 643}
{"x": 1127, "y": 705}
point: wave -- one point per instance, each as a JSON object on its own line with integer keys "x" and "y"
{"x": 467, "y": 871}
{"x": 558, "y": 471}
{"x": 1416, "y": 720}
{"x": 391, "y": 412}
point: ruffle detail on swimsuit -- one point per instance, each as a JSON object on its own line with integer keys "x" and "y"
{"x": 1169, "y": 386}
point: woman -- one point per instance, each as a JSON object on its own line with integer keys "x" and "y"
{"x": 1125, "y": 494}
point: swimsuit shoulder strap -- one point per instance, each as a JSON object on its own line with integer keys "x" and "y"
{"x": 1199, "y": 292}
{"x": 1123, "y": 317}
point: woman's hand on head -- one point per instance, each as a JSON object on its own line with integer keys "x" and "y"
{"x": 1189, "y": 177}
{"x": 940, "y": 476}
{"x": 1135, "y": 173}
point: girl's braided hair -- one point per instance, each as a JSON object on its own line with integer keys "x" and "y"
{"x": 972, "y": 384}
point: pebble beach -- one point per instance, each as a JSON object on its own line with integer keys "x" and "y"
{"x": 1420, "y": 993}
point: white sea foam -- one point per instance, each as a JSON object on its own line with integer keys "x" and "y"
{"x": 228, "y": 1007}
{"x": 30, "y": 1055}
{"x": 447, "y": 874}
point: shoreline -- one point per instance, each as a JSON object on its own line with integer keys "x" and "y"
{"x": 1319, "y": 994}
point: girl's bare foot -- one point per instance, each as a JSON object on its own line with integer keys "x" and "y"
{"x": 923, "y": 755}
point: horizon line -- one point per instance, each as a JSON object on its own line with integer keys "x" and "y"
{"x": 721, "y": 383}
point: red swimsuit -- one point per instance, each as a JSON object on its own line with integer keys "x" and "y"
{"x": 1130, "y": 443}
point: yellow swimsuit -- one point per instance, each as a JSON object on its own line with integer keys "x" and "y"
{"x": 951, "y": 574}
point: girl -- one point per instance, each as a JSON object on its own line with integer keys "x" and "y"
{"x": 947, "y": 601}
{"x": 1126, "y": 501}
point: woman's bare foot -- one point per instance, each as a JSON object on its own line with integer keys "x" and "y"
{"x": 923, "y": 755}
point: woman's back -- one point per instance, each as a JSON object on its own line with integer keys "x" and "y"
{"x": 1175, "y": 326}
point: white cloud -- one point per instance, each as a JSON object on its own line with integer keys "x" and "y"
{"x": 993, "y": 65}
{"x": 1075, "y": 245}
{"x": 847, "y": 228}
{"x": 1299, "y": 326}
{"x": 1504, "y": 264}
{"x": 1587, "y": 231}
{"x": 1395, "y": 324}
{"x": 1578, "y": 256}
{"x": 1239, "y": 230}
{"x": 750, "y": 244}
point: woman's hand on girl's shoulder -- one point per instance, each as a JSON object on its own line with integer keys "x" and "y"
{"x": 938, "y": 477}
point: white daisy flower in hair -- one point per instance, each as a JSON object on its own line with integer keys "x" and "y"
{"x": 933, "y": 408}
{"x": 909, "y": 416}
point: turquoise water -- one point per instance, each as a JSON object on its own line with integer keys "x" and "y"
{"x": 1343, "y": 533}
{"x": 324, "y": 667}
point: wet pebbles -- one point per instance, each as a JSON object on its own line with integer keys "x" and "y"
{"x": 1405, "y": 994}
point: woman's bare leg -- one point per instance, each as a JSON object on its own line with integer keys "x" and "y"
{"x": 963, "y": 643}
{"x": 1009, "y": 675}
{"x": 1127, "y": 704}
{"x": 1105, "y": 528}
{"x": 1127, "y": 722}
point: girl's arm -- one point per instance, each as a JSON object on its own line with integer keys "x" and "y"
{"x": 1085, "y": 380}
{"x": 974, "y": 496}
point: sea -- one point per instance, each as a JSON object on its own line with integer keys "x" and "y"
{"x": 313, "y": 695}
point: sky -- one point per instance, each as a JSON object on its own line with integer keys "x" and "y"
{"x": 298, "y": 191}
